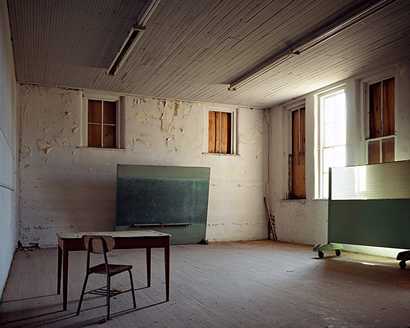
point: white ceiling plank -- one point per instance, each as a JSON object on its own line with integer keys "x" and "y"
{"x": 192, "y": 49}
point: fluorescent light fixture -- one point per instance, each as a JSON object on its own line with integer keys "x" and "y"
{"x": 321, "y": 34}
{"x": 132, "y": 38}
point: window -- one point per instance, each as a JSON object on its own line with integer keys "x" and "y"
{"x": 297, "y": 157}
{"x": 220, "y": 132}
{"x": 381, "y": 124}
{"x": 332, "y": 136}
{"x": 102, "y": 123}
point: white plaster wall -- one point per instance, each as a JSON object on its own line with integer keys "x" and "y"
{"x": 7, "y": 148}
{"x": 305, "y": 221}
{"x": 65, "y": 187}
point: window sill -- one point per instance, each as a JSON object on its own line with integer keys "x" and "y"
{"x": 101, "y": 149}
{"x": 221, "y": 154}
{"x": 294, "y": 200}
{"x": 303, "y": 201}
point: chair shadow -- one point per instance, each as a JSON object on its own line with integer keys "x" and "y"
{"x": 28, "y": 298}
{"x": 102, "y": 319}
{"x": 65, "y": 316}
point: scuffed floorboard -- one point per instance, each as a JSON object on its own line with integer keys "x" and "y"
{"x": 248, "y": 284}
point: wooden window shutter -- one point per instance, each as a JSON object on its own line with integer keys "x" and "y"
{"x": 102, "y": 124}
{"x": 373, "y": 152}
{"x": 381, "y": 122}
{"x": 110, "y": 124}
{"x": 298, "y": 189}
{"x": 388, "y": 150}
{"x": 219, "y": 132}
{"x": 211, "y": 132}
{"x": 94, "y": 123}
{"x": 226, "y": 133}
{"x": 375, "y": 110}
{"x": 388, "y": 107}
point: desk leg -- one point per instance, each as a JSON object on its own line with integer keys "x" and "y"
{"x": 149, "y": 267}
{"x": 59, "y": 269}
{"x": 65, "y": 278}
{"x": 166, "y": 256}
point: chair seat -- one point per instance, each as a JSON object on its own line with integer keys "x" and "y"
{"x": 113, "y": 268}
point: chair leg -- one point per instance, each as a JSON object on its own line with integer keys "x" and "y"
{"x": 132, "y": 289}
{"x": 82, "y": 294}
{"x": 108, "y": 296}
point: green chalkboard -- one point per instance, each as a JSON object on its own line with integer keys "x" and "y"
{"x": 168, "y": 198}
{"x": 371, "y": 222}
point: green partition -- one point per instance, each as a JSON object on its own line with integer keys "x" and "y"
{"x": 166, "y": 198}
{"x": 379, "y": 222}
{"x": 370, "y": 205}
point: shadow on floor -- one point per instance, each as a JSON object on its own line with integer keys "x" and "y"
{"x": 28, "y": 298}
{"x": 54, "y": 316}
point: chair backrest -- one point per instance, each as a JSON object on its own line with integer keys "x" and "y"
{"x": 98, "y": 244}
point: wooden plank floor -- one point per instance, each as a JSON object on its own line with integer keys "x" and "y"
{"x": 248, "y": 284}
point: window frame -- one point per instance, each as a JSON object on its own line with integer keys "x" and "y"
{"x": 365, "y": 87}
{"x": 319, "y": 187}
{"x": 234, "y": 122}
{"x": 118, "y": 126}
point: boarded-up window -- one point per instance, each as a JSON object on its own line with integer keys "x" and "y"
{"x": 380, "y": 144}
{"x": 219, "y": 132}
{"x": 102, "y": 124}
{"x": 297, "y": 179}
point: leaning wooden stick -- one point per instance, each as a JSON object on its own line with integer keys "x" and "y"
{"x": 271, "y": 220}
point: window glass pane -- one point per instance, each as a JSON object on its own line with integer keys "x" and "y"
{"x": 94, "y": 111}
{"x": 388, "y": 107}
{"x": 94, "y": 135}
{"x": 325, "y": 186}
{"x": 334, "y": 157}
{"x": 373, "y": 152}
{"x": 388, "y": 150}
{"x": 212, "y": 132}
{"x": 302, "y": 130}
{"x": 225, "y": 133}
{"x": 334, "y": 119}
{"x": 297, "y": 187}
{"x": 109, "y": 136}
{"x": 110, "y": 112}
{"x": 375, "y": 110}
{"x": 220, "y": 132}
{"x": 332, "y": 136}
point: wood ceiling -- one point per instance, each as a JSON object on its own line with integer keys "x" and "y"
{"x": 193, "y": 49}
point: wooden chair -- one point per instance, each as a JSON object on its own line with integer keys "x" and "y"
{"x": 103, "y": 245}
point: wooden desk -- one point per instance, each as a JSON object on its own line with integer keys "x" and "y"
{"x": 123, "y": 240}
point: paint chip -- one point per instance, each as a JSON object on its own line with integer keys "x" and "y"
{"x": 44, "y": 146}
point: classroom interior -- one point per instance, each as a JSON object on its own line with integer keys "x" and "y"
{"x": 246, "y": 162}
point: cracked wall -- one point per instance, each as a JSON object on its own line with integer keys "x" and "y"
{"x": 67, "y": 187}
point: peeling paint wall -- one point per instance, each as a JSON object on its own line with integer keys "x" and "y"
{"x": 66, "y": 187}
{"x": 7, "y": 148}
{"x": 305, "y": 221}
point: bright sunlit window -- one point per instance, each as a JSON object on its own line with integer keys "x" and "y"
{"x": 332, "y": 136}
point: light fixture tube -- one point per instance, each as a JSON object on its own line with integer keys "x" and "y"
{"x": 306, "y": 42}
